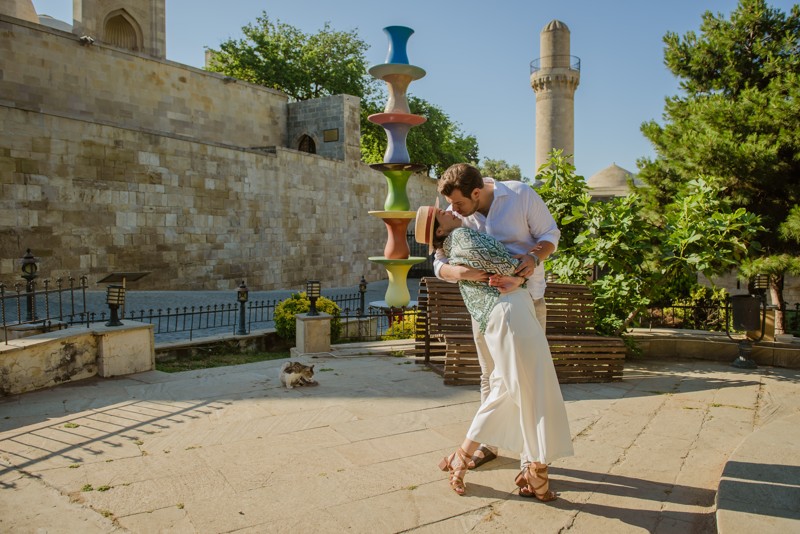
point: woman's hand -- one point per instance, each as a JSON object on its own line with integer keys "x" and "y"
{"x": 454, "y": 273}
{"x": 505, "y": 284}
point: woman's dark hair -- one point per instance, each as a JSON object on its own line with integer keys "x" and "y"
{"x": 437, "y": 240}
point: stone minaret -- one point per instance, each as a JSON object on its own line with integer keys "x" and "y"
{"x": 554, "y": 79}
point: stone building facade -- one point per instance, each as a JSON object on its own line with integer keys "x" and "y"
{"x": 113, "y": 158}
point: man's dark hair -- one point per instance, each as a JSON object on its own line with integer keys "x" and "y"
{"x": 461, "y": 176}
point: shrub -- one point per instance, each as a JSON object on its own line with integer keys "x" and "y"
{"x": 285, "y": 311}
{"x": 405, "y": 329}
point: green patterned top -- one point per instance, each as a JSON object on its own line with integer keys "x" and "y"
{"x": 470, "y": 248}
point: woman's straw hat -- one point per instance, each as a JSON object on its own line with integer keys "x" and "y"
{"x": 423, "y": 227}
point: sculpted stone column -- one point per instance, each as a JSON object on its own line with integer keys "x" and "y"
{"x": 397, "y": 121}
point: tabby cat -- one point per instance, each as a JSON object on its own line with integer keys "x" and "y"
{"x": 295, "y": 374}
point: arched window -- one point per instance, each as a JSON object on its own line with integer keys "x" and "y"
{"x": 121, "y": 30}
{"x": 307, "y": 144}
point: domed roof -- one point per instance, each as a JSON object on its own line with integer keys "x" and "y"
{"x": 555, "y": 25}
{"x": 612, "y": 182}
{"x": 50, "y": 22}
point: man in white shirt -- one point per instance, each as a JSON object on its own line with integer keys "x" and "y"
{"x": 516, "y": 215}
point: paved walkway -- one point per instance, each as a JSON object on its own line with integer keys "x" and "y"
{"x": 228, "y": 450}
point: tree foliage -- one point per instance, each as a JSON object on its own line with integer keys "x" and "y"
{"x": 641, "y": 261}
{"x": 738, "y": 121}
{"x": 329, "y": 62}
{"x": 303, "y": 66}
{"x": 437, "y": 143}
{"x": 500, "y": 170}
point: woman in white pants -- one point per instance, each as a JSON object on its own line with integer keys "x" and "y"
{"x": 524, "y": 411}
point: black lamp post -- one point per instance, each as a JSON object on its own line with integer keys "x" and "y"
{"x": 241, "y": 296}
{"x": 115, "y": 297}
{"x": 29, "y": 269}
{"x": 362, "y": 289}
{"x": 745, "y": 310}
{"x": 312, "y": 292}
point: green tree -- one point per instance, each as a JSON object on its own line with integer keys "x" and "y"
{"x": 303, "y": 66}
{"x": 737, "y": 120}
{"x": 778, "y": 265}
{"x": 499, "y": 169}
{"x": 437, "y": 143}
{"x": 329, "y": 62}
{"x": 641, "y": 262}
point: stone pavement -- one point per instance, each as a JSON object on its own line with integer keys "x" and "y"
{"x": 228, "y": 450}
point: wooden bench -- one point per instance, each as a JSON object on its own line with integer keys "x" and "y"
{"x": 444, "y": 335}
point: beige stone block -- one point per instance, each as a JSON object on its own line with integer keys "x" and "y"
{"x": 313, "y": 333}
{"x": 124, "y": 351}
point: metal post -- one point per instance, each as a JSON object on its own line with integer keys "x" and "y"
{"x": 362, "y": 289}
{"x": 29, "y": 269}
{"x": 242, "y": 331}
{"x": 242, "y": 296}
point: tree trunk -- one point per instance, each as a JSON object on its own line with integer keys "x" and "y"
{"x": 776, "y": 293}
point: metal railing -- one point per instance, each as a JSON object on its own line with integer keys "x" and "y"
{"x": 425, "y": 268}
{"x": 61, "y": 303}
{"x": 709, "y": 318}
{"x": 573, "y": 62}
{"x": 176, "y": 323}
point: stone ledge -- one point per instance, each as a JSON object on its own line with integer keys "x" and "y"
{"x": 670, "y": 343}
{"x": 75, "y": 353}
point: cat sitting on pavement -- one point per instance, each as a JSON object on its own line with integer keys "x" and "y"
{"x": 293, "y": 374}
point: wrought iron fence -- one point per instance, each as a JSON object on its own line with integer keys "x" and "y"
{"x": 66, "y": 305}
{"x": 64, "y": 302}
{"x": 56, "y": 304}
{"x": 710, "y": 318}
{"x": 425, "y": 268}
{"x": 792, "y": 316}
{"x": 179, "y": 322}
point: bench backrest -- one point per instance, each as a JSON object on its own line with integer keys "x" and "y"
{"x": 569, "y": 309}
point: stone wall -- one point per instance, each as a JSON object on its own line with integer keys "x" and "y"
{"x": 334, "y": 123}
{"x": 113, "y": 161}
{"x": 49, "y": 72}
{"x": 92, "y": 199}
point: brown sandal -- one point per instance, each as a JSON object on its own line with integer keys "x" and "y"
{"x": 534, "y": 482}
{"x": 481, "y": 456}
{"x": 457, "y": 470}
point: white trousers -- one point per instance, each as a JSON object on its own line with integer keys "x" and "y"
{"x": 523, "y": 410}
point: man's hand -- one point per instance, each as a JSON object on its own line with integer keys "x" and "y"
{"x": 454, "y": 273}
{"x": 526, "y": 266}
{"x": 505, "y": 284}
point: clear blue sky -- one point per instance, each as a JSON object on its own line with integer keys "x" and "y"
{"x": 477, "y": 55}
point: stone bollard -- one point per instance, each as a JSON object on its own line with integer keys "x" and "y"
{"x": 313, "y": 334}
